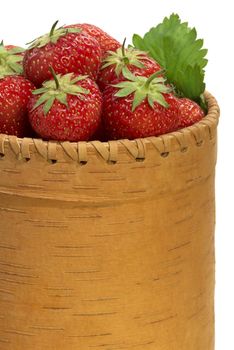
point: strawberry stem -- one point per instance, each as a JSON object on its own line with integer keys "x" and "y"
{"x": 125, "y": 58}
{"x": 55, "y": 77}
{"x": 53, "y": 28}
{"x": 152, "y": 77}
{"x": 1, "y": 43}
{"x": 123, "y": 47}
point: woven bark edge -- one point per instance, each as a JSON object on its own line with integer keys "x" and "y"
{"x": 111, "y": 151}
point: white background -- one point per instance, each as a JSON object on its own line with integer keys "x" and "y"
{"x": 22, "y": 21}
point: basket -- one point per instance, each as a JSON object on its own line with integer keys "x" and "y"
{"x": 108, "y": 246}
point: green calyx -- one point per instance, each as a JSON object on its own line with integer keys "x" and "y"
{"x": 10, "y": 60}
{"x": 151, "y": 88}
{"x": 58, "y": 89}
{"x": 53, "y": 36}
{"x": 123, "y": 57}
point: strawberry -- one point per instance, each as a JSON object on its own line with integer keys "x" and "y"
{"x": 11, "y": 59}
{"x": 189, "y": 112}
{"x": 99, "y": 134}
{"x": 105, "y": 40}
{"x": 15, "y": 92}
{"x": 67, "y": 50}
{"x": 138, "y": 62}
{"x": 139, "y": 107}
{"x": 66, "y": 108}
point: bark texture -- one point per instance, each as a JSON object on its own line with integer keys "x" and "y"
{"x": 109, "y": 246}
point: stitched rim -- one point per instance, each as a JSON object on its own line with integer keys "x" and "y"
{"x": 109, "y": 151}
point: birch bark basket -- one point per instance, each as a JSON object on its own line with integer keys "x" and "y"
{"x": 109, "y": 245}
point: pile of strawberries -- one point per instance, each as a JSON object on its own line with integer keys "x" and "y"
{"x": 77, "y": 83}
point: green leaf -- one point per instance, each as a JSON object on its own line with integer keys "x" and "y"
{"x": 139, "y": 42}
{"x": 49, "y": 103}
{"x": 53, "y": 36}
{"x": 10, "y": 60}
{"x": 74, "y": 30}
{"x": 176, "y": 48}
{"x": 79, "y": 90}
{"x": 151, "y": 101}
{"x": 122, "y": 58}
{"x": 128, "y": 75}
{"x": 107, "y": 64}
{"x": 40, "y": 101}
{"x": 16, "y": 67}
{"x": 125, "y": 91}
{"x": 151, "y": 89}
{"x": 17, "y": 59}
{"x": 62, "y": 99}
{"x": 138, "y": 64}
{"x": 58, "y": 89}
{"x": 81, "y": 77}
{"x": 16, "y": 50}
{"x": 190, "y": 82}
{"x": 54, "y": 39}
{"x": 122, "y": 84}
{"x": 139, "y": 97}
{"x": 159, "y": 98}
{"x": 39, "y": 91}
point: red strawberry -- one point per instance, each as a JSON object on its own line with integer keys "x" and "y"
{"x": 99, "y": 134}
{"x": 15, "y": 92}
{"x": 11, "y": 58}
{"x": 67, "y": 50}
{"x": 105, "y": 40}
{"x": 189, "y": 112}
{"x": 139, "y": 107}
{"x": 138, "y": 62}
{"x": 67, "y": 108}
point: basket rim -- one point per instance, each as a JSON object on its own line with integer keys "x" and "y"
{"x": 78, "y": 151}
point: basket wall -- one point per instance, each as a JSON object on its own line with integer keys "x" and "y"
{"x": 109, "y": 246}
